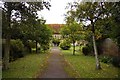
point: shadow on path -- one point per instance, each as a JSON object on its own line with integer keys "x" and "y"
{"x": 55, "y": 67}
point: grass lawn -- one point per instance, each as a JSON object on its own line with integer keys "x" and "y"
{"x": 84, "y": 66}
{"x": 27, "y": 67}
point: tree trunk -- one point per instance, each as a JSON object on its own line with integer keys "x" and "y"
{"x": 73, "y": 47}
{"x": 96, "y": 53}
{"x": 7, "y": 42}
{"x": 36, "y": 47}
{"x": 6, "y": 54}
{"x": 95, "y": 47}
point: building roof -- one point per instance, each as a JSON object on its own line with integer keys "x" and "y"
{"x": 55, "y": 27}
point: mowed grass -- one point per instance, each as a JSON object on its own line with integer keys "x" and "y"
{"x": 84, "y": 66}
{"x": 29, "y": 66}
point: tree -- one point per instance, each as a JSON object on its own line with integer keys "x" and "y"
{"x": 92, "y": 12}
{"x": 42, "y": 34}
{"x": 19, "y": 11}
{"x": 114, "y": 21}
{"x": 72, "y": 31}
{"x": 45, "y": 37}
{"x": 103, "y": 18}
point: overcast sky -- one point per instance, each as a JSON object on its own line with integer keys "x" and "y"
{"x": 56, "y": 13}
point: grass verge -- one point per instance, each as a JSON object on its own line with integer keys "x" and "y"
{"x": 84, "y": 66}
{"x": 27, "y": 67}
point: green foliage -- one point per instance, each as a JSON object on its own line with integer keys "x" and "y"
{"x": 16, "y": 49}
{"x": 72, "y": 31}
{"x": 45, "y": 47}
{"x": 103, "y": 20}
{"x": 104, "y": 15}
{"x": 17, "y": 45}
{"x": 45, "y": 36}
{"x": 65, "y": 45}
{"x": 105, "y": 59}
{"x": 92, "y": 12}
{"x": 115, "y": 61}
{"x": 29, "y": 45}
{"x": 38, "y": 32}
{"x": 56, "y": 41}
{"x": 87, "y": 50}
{"x": 23, "y": 14}
{"x": 114, "y": 21}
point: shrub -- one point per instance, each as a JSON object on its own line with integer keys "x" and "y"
{"x": 115, "y": 61}
{"x": 16, "y": 49}
{"x": 65, "y": 45}
{"x": 45, "y": 47}
{"x": 87, "y": 50}
{"x": 106, "y": 59}
{"x": 56, "y": 42}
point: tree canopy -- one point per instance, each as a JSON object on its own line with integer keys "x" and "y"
{"x": 72, "y": 31}
{"x": 20, "y": 21}
{"x": 103, "y": 18}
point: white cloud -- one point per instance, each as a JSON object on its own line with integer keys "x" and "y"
{"x": 56, "y": 13}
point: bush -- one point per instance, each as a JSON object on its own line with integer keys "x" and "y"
{"x": 106, "y": 59}
{"x": 87, "y": 50}
{"x": 65, "y": 45}
{"x": 45, "y": 47}
{"x": 115, "y": 61}
{"x": 56, "y": 42}
{"x": 16, "y": 49}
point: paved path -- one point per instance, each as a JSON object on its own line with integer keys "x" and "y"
{"x": 55, "y": 66}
